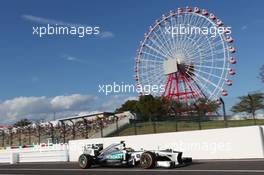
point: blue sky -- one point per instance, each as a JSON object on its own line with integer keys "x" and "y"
{"x": 35, "y": 67}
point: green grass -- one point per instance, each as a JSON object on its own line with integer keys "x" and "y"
{"x": 170, "y": 126}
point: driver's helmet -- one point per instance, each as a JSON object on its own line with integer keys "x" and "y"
{"x": 120, "y": 147}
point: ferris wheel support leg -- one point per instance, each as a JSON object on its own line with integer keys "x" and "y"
{"x": 177, "y": 92}
{"x": 170, "y": 94}
{"x": 166, "y": 87}
{"x": 185, "y": 92}
{"x": 191, "y": 89}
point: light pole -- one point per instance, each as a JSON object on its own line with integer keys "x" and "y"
{"x": 224, "y": 111}
{"x": 3, "y": 138}
{"x": 117, "y": 127}
{"x": 52, "y": 132}
{"x": 199, "y": 115}
{"x": 251, "y": 105}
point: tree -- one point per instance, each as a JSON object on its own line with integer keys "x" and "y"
{"x": 250, "y": 104}
{"x": 203, "y": 106}
{"x": 146, "y": 108}
{"x": 150, "y": 107}
{"x": 130, "y": 105}
{"x": 174, "y": 107}
{"x": 22, "y": 123}
{"x": 261, "y": 73}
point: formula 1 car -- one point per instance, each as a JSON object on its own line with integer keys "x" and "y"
{"x": 120, "y": 155}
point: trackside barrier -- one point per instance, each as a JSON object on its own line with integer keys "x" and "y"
{"x": 14, "y": 158}
{"x": 4, "y": 156}
{"x": 38, "y": 153}
{"x": 227, "y": 143}
{"x": 262, "y": 136}
{"x": 44, "y": 156}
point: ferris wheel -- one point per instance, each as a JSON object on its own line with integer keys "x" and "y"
{"x": 191, "y": 64}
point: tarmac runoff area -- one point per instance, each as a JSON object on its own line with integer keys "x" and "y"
{"x": 216, "y": 167}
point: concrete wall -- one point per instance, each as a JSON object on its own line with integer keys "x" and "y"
{"x": 4, "y": 157}
{"x": 262, "y": 136}
{"x": 227, "y": 143}
{"x": 55, "y": 153}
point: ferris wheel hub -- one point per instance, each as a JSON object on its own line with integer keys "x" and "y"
{"x": 180, "y": 57}
{"x": 170, "y": 66}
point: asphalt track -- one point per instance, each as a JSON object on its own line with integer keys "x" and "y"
{"x": 227, "y": 167}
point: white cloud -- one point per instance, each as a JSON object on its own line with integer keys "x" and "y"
{"x": 39, "y": 107}
{"x": 244, "y": 27}
{"x": 131, "y": 98}
{"x": 21, "y": 106}
{"x": 72, "y": 58}
{"x": 115, "y": 101}
{"x": 252, "y": 24}
{"x": 107, "y": 35}
{"x": 41, "y": 20}
{"x": 35, "y": 108}
{"x": 75, "y": 101}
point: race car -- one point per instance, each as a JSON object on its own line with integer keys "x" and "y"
{"x": 119, "y": 155}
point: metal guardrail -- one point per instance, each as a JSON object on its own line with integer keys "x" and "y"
{"x": 184, "y": 123}
{"x": 59, "y": 133}
{"x": 116, "y": 127}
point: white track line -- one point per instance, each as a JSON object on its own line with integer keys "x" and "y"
{"x": 230, "y": 160}
{"x": 136, "y": 170}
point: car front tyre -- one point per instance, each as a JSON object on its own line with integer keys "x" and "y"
{"x": 148, "y": 160}
{"x": 85, "y": 161}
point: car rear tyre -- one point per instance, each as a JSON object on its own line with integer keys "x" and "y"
{"x": 85, "y": 161}
{"x": 148, "y": 160}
